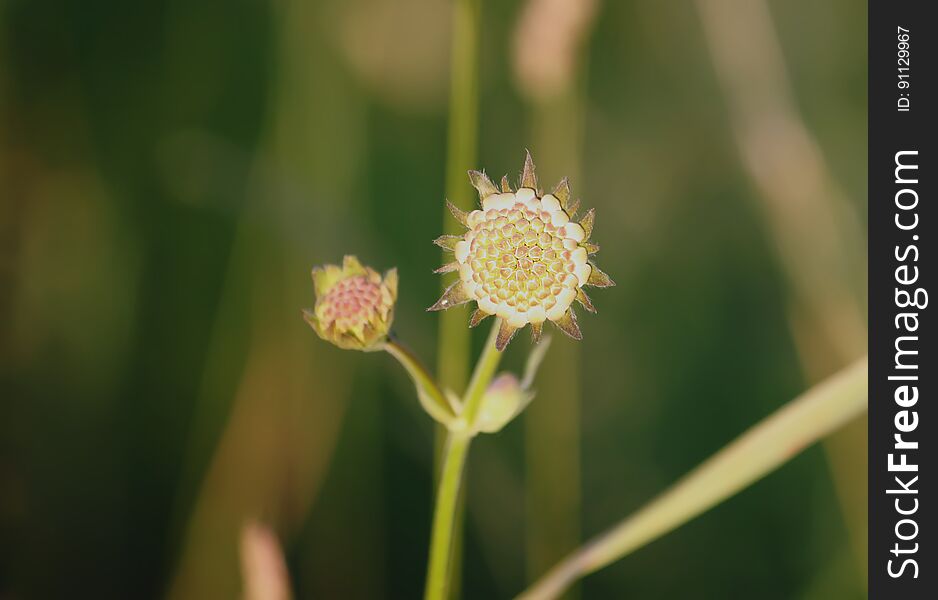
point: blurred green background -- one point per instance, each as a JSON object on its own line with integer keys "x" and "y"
{"x": 170, "y": 171}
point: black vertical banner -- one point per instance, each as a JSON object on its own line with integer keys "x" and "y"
{"x": 903, "y": 66}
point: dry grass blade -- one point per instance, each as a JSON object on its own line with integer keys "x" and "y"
{"x": 770, "y": 443}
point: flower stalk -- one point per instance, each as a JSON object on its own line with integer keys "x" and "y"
{"x": 454, "y": 460}
{"x": 431, "y": 397}
{"x": 523, "y": 260}
{"x": 444, "y": 515}
{"x": 462, "y": 135}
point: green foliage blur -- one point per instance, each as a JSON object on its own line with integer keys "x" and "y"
{"x": 170, "y": 171}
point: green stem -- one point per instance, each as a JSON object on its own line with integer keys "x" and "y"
{"x": 454, "y": 460}
{"x": 482, "y": 376}
{"x": 441, "y": 539}
{"x": 429, "y": 393}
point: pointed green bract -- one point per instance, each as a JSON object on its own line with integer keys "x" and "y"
{"x": 477, "y": 317}
{"x": 447, "y": 268}
{"x": 562, "y": 193}
{"x": 352, "y": 266}
{"x": 447, "y": 242}
{"x": 528, "y": 178}
{"x": 459, "y": 214}
{"x": 599, "y": 279}
{"x": 567, "y": 324}
{"x": 390, "y": 281}
{"x": 482, "y": 184}
{"x": 587, "y": 222}
{"x": 453, "y": 296}
{"x": 505, "y": 333}
{"x": 325, "y": 278}
{"x": 584, "y": 300}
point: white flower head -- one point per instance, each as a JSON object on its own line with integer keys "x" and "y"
{"x": 523, "y": 258}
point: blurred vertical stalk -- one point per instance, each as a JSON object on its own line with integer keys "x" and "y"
{"x": 454, "y": 345}
{"x": 462, "y": 141}
{"x": 817, "y": 235}
{"x": 552, "y": 422}
{"x": 548, "y": 61}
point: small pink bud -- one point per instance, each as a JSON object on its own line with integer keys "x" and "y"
{"x": 354, "y": 305}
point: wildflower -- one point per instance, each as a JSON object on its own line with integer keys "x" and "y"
{"x": 354, "y": 305}
{"x": 522, "y": 258}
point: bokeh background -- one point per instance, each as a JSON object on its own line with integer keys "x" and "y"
{"x": 170, "y": 171}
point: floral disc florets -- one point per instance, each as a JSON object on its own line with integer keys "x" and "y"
{"x": 522, "y": 258}
{"x": 354, "y": 305}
